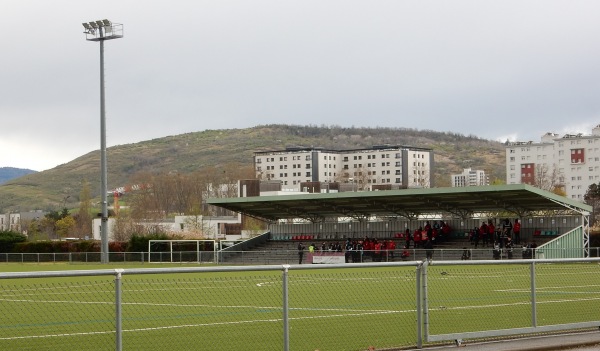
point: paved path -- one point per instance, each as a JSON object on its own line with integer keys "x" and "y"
{"x": 585, "y": 341}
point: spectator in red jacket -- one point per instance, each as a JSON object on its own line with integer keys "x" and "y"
{"x": 491, "y": 231}
{"x": 445, "y": 231}
{"x": 417, "y": 237}
{"x": 377, "y": 253}
{"x": 517, "y": 232}
{"x": 390, "y": 247}
{"x": 405, "y": 254}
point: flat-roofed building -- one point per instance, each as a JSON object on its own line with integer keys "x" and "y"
{"x": 398, "y": 166}
{"x": 469, "y": 177}
{"x": 570, "y": 162}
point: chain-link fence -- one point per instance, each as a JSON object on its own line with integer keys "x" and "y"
{"x": 286, "y": 256}
{"x": 299, "y": 307}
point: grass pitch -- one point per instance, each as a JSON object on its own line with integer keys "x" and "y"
{"x": 330, "y": 309}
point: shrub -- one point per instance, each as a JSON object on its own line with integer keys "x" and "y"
{"x": 35, "y": 247}
{"x": 117, "y": 246}
{"x": 139, "y": 243}
{"x": 9, "y": 239}
{"x": 87, "y": 246}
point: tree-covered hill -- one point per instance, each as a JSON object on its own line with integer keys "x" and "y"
{"x": 50, "y": 189}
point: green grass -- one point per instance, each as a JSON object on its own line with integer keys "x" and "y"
{"x": 331, "y": 309}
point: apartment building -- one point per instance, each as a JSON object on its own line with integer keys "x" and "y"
{"x": 399, "y": 166}
{"x": 469, "y": 177}
{"x": 571, "y": 162}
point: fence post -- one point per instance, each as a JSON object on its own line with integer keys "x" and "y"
{"x": 118, "y": 311}
{"x": 419, "y": 311}
{"x": 533, "y": 293}
{"x": 286, "y": 324}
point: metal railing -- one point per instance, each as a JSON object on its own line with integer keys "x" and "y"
{"x": 285, "y": 256}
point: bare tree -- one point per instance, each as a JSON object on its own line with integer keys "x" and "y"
{"x": 547, "y": 178}
{"x": 83, "y": 218}
{"x": 592, "y": 198}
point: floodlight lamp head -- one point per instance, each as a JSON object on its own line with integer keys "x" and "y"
{"x": 106, "y": 22}
{"x": 99, "y": 23}
{"x": 93, "y": 24}
{"x": 86, "y": 26}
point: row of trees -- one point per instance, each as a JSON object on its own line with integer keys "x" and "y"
{"x": 64, "y": 224}
{"x": 165, "y": 195}
{"x": 161, "y": 196}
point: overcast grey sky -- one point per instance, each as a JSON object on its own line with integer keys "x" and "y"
{"x": 495, "y": 69}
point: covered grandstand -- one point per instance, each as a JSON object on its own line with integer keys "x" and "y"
{"x": 333, "y": 216}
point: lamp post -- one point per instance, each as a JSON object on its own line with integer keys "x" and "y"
{"x": 100, "y": 31}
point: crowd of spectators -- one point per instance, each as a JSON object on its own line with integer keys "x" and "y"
{"x": 379, "y": 250}
{"x": 501, "y": 238}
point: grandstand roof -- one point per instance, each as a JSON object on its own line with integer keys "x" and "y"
{"x": 522, "y": 200}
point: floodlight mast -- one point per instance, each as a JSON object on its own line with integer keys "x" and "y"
{"x": 102, "y": 30}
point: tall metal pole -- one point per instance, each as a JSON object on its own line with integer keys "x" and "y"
{"x": 103, "y": 166}
{"x": 101, "y": 31}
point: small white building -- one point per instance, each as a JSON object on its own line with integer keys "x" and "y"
{"x": 207, "y": 227}
{"x": 469, "y": 177}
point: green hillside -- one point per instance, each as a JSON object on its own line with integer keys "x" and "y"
{"x": 189, "y": 152}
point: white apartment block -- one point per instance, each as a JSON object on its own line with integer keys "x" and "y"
{"x": 398, "y": 166}
{"x": 469, "y": 177}
{"x": 571, "y": 161}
